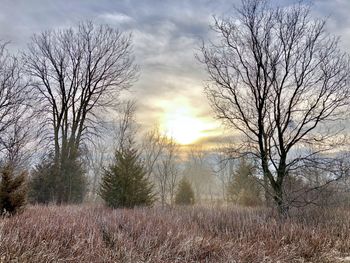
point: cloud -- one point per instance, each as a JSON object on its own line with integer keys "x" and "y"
{"x": 116, "y": 18}
{"x": 166, "y": 35}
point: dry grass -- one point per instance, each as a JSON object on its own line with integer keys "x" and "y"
{"x": 97, "y": 234}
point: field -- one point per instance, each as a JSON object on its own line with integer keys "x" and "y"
{"x": 230, "y": 234}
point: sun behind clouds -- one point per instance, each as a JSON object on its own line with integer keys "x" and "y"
{"x": 180, "y": 122}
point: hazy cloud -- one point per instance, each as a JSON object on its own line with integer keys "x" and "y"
{"x": 166, "y": 35}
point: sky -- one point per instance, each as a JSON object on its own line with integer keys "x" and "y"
{"x": 166, "y": 37}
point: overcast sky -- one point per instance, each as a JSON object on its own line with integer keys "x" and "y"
{"x": 166, "y": 36}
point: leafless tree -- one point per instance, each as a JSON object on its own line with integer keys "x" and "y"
{"x": 16, "y": 140}
{"x": 97, "y": 158}
{"x": 167, "y": 171}
{"x": 223, "y": 170}
{"x": 280, "y": 79}
{"x": 153, "y": 146}
{"x": 171, "y": 166}
{"x": 14, "y": 110}
{"x": 126, "y": 130}
{"x": 318, "y": 185}
{"x": 76, "y": 73}
{"x": 161, "y": 158}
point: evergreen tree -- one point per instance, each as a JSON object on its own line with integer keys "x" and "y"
{"x": 13, "y": 191}
{"x": 244, "y": 188}
{"x": 71, "y": 183}
{"x": 48, "y": 185}
{"x": 185, "y": 194}
{"x": 124, "y": 183}
{"x": 42, "y": 183}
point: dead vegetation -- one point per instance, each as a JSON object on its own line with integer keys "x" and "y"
{"x": 97, "y": 234}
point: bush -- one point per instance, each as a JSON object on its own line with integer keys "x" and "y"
{"x": 13, "y": 190}
{"x": 124, "y": 183}
{"x": 185, "y": 194}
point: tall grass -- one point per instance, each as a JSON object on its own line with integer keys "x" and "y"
{"x": 232, "y": 234}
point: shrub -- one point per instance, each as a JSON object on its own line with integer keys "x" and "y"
{"x": 13, "y": 190}
{"x": 124, "y": 183}
{"x": 185, "y": 194}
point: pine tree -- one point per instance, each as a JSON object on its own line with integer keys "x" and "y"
{"x": 185, "y": 194}
{"x": 124, "y": 183}
{"x": 13, "y": 191}
{"x": 48, "y": 183}
{"x": 42, "y": 183}
{"x": 243, "y": 188}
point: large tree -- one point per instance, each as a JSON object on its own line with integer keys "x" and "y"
{"x": 279, "y": 79}
{"x": 75, "y": 72}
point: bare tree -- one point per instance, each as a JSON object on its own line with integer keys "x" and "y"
{"x": 171, "y": 166}
{"x": 167, "y": 171}
{"x": 153, "y": 146}
{"x": 97, "y": 158}
{"x": 77, "y": 72}
{"x": 223, "y": 170}
{"x": 161, "y": 158}
{"x": 15, "y": 142}
{"x": 278, "y": 78}
{"x": 126, "y": 130}
{"x": 14, "y": 110}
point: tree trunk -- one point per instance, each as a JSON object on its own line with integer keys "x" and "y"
{"x": 281, "y": 205}
{"x": 267, "y": 195}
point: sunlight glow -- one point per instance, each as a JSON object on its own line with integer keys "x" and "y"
{"x": 181, "y": 123}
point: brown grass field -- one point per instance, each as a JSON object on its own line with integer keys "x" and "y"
{"x": 230, "y": 234}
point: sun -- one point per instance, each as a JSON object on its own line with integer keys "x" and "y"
{"x": 184, "y": 122}
{"x": 183, "y": 126}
